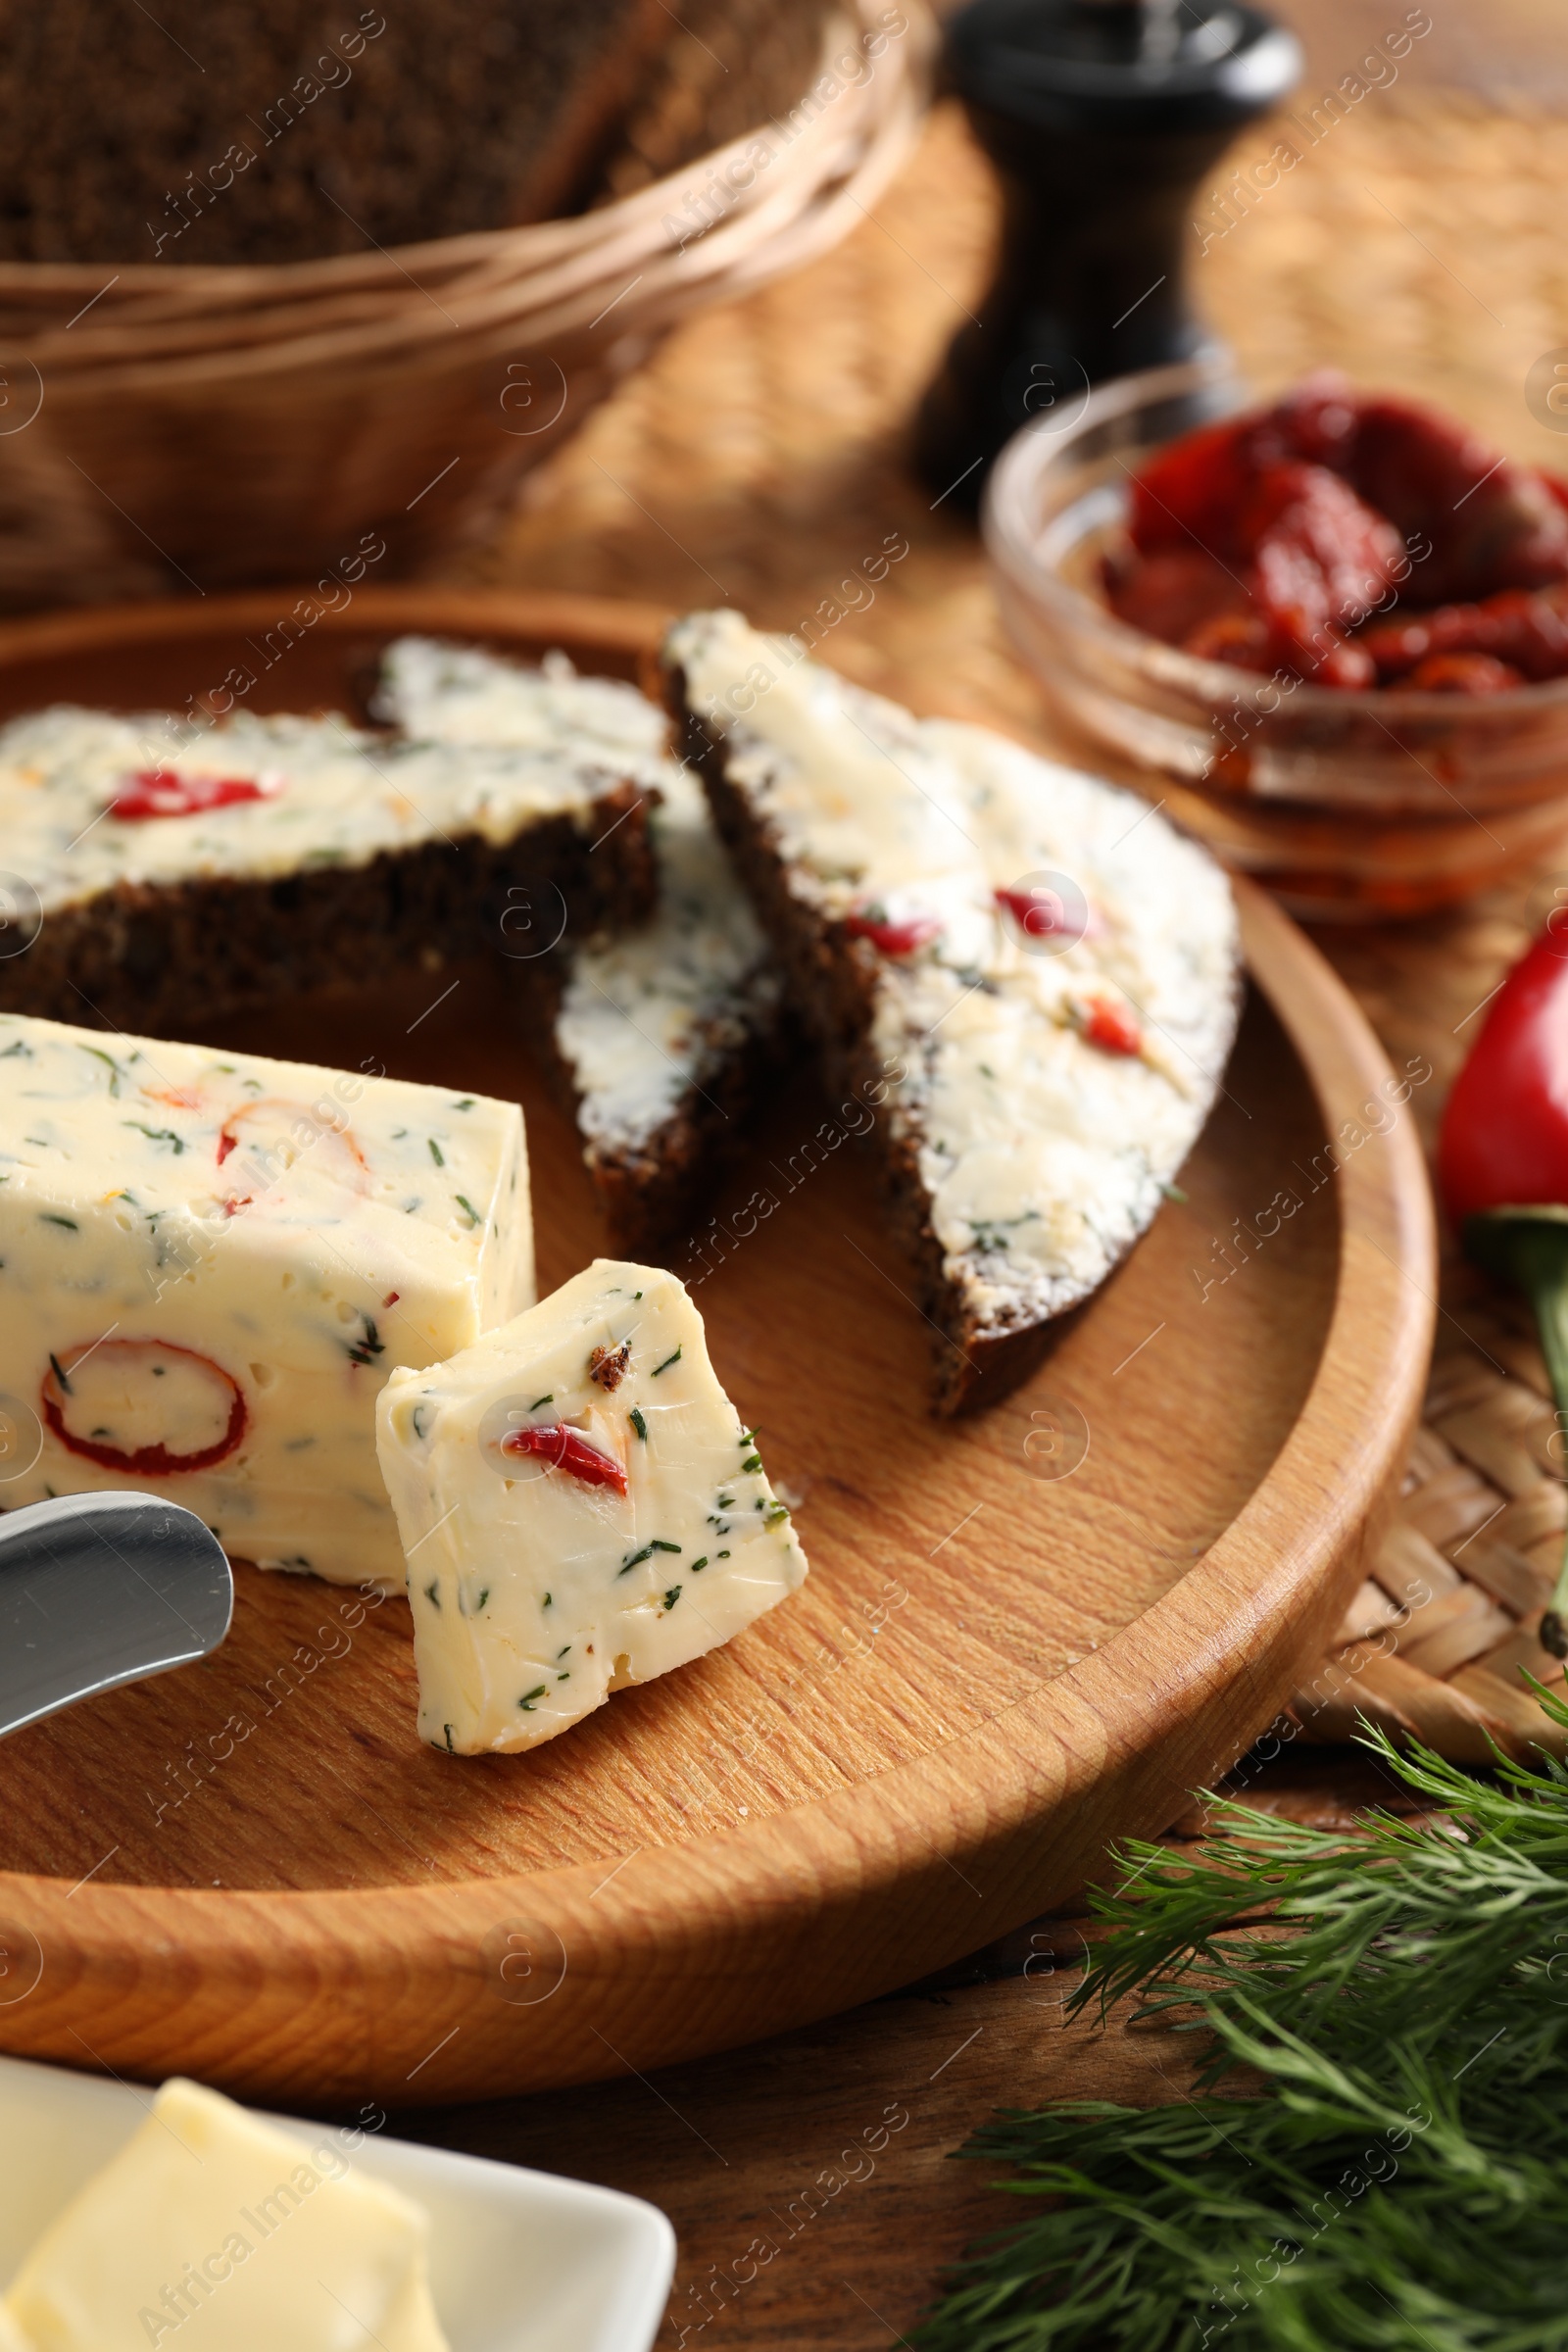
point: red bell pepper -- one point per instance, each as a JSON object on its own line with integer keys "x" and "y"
{"x": 1503, "y": 1164}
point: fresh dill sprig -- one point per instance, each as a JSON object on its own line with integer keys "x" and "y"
{"x": 1402, "y": 2184}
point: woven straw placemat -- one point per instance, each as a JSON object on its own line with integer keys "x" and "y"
{"x": 1437, "y": 1643}
{"x": 758, "y": 460}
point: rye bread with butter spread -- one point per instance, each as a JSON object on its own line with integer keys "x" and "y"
{"x": 660, "y": 1034}
{"x": 1032, "y": 977}
{"x": 159, "y": 872}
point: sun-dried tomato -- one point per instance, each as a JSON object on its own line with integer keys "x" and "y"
{"x": 1463, "y": 673}
{"x": 1316, "y": 420}
{"x": 1520, "y": 627}
{"x": 1490, "y": 523}
{"x": 1321, "y": 559}
{"x": 1173, "y": 592}
{"x": 1311, "y": 510}
{"x": 1243, "y": 639}
{"x": 1188, "y": 494}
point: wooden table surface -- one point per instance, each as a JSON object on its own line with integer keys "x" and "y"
{"x": 810, "y": 2179}
{"x": 758, "y": 459}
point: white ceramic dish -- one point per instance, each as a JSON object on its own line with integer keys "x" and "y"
{"x": 520, "y": 2260}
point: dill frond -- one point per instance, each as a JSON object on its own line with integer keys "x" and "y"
{"x": 1402, "y": 2184}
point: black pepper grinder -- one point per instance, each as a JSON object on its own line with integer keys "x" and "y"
{"x": 1101, "y": 117}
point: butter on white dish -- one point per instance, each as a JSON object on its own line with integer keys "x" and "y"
{"x": 662, "y": 1021}
{"x": 582, "y": 1508}
{"x": 209, "y": 1261}
{"x": 213, "y": 2229}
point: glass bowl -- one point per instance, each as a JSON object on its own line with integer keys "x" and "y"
{"x": 1348, "y": 805}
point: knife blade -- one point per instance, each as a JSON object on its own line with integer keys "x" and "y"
{"x": 101, "y": 1590}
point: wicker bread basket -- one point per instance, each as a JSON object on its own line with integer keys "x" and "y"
{"x": 165, "y": 428}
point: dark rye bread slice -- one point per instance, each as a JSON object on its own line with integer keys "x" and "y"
{"x": 830, "y": 983}
{"x": 667, "y": 1033}
{"x": 654, "y": 1188}
{"x": 158, "y": 870}
{"x": 157, "y": 957}
{"x": 881, "y": 854}
{"x": 660, "y": 1036}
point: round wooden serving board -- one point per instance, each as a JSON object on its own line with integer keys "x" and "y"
{"x": 1021, "y": 1636}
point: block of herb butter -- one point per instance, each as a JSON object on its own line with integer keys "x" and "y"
{"x": 209, "y": 1263}
{"x": 217, "y": 2230}
{"x": 581, "y": 1506}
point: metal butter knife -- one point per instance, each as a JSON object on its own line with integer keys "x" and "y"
{"x": 99, "y": 1590}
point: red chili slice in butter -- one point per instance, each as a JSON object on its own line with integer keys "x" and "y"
{"x": 165, "y": 792}
{"x": 1046, "y": 913}
{"x": 890, "y": 937}
{"x": 103, "y": 1401}
{"x": 274, "y": 1135}
{"x": 1113, "y": 1030}
{"x": 561, "y": 1447}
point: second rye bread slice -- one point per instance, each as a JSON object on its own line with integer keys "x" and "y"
{"x": 1031, "y": 974}
{"x": 164, "y": 870}
{"x": 663, "y": 1033}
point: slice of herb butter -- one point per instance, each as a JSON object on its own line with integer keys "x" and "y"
{"x": 214, "y": 2228}
{"x": 581, "y": 1509}
{"x": 209, "y": 1263}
